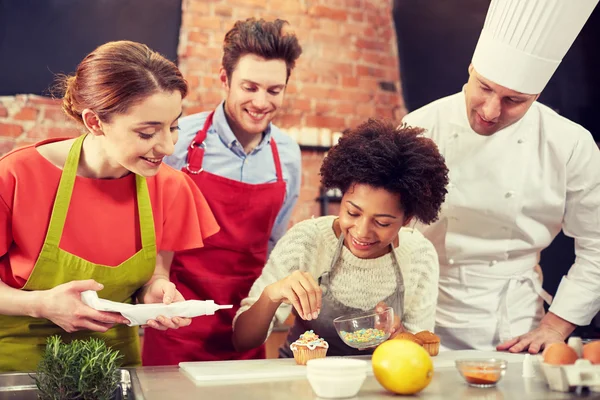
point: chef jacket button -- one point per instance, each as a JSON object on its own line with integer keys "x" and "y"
{"x": 520, "y": 141}
{"x": 455, "y": 135}
{"x": 493, "y": 262}
{"x": 451, "y": 261}
{"x": 509, "y": 194}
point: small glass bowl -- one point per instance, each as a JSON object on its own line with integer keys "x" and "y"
{"x": 365, "y": 330}
{"x": 481, "y": 373}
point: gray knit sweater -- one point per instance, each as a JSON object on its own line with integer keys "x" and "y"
{"x": 359, "y": 283}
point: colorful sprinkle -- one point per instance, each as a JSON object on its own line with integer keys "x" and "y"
{"x": 310, "y": 340}
{"x": 364, "y": 336}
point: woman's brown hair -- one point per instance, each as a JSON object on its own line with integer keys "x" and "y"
{"x": 397, "y": 159}
{"x": 267, "y": 39}
{"x": 116, "y": 76}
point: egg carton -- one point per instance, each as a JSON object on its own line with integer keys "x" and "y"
{"x": 566, "y": 378}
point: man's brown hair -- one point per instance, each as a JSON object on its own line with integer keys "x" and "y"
{"x": 269, "y": 40}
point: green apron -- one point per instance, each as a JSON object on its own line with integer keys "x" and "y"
{"x": 22, "y": 338}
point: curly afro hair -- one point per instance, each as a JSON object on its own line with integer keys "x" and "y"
{"x": 398, "y": 160}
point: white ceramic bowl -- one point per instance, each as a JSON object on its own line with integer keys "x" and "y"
{"x": 336, "y": 366}
{"x": 336, "y": 387}
{"x": 336, "y": 378}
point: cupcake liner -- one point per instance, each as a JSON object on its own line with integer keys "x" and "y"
{"x": 303, "y": 354}
{"x": 432, "y": 348}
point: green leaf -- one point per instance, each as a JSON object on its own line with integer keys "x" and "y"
{"x": 82, "y": 369}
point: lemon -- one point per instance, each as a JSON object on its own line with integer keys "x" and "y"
{"x": 402, "y": 366}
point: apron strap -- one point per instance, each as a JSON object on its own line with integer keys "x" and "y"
{"x": 400, "y": 285}
{"x": 325, "y": 277}
{"x": 63, "y": 196}
{"x": 504, "y": 323}
{"x": 197, "y": 147}
{"x": 147, "y": 231}
{"x": 276, "y": 160}
{"x": 63, "y": 199}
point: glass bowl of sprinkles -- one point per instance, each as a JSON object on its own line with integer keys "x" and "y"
{"x": 365, "y": 330}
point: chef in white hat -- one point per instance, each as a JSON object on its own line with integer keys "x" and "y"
{"x": 519, "y": 172}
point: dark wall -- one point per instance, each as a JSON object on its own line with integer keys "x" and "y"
{"x": 39, "y": 38}
{"x": 436, "y": 40}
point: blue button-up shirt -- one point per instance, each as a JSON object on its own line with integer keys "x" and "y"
{"x": 225, "y": 156}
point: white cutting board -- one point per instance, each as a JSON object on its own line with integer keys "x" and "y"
{"x": 218, "y": 372}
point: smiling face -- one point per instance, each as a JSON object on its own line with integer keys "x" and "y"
{"x": 254, "y": 94}
{"x": 491, "y": 107}
{"x": 370, "y": 219}
{"x": 139, "y": 139}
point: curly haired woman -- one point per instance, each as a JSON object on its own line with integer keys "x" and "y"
{"x": 364, "y": 257}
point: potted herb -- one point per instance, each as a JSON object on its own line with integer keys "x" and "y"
{"x": 82, "y": 369}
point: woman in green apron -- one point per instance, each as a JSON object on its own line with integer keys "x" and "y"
{"x": 99, "y": 212}
{"x": 336, "y": 265}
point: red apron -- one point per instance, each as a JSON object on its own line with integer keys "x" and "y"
{"x": 225, "y": 268}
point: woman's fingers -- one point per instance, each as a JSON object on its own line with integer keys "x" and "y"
{"x": 299, "y": 291}
{"x": 104, "y": 317}
{"x": 311, "y": 293}
{"x": 292, "y": 298}
{"x": 155, "y": 325}
{"x": 91, "y": 325}
{"x": 169, "y": 293}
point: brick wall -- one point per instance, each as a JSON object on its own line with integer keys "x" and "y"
{"x": 348, "y": 72}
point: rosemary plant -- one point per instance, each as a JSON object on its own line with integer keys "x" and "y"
{"x": 82, "y": 369}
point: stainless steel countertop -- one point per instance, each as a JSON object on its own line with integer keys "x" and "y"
{"x": 159, "y": 383}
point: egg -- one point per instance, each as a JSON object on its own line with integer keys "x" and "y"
{"x": 591, "y": 352}
{"x": 559, "y": 354}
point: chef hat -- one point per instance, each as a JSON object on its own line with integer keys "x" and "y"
{"x": 523, "y": 41}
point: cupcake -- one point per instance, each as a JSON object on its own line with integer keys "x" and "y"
{"x": 409, "y": 336}
{"x": 431, "y": 342}
{"x": 309, "y": 346}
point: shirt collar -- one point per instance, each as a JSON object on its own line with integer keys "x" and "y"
{"x": 226, "y": 134}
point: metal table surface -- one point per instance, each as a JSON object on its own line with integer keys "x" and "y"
{"x": 158, "y": 383}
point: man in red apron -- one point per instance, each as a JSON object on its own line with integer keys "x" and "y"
{"x": 249, "y": 172}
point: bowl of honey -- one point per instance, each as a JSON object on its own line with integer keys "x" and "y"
{"x": 481, "y": 373}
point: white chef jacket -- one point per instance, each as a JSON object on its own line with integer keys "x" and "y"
{"x": 508, "y": 197}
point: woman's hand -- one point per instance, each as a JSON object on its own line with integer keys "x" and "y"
{"x": 161, "y": 290}
{"x": 396, "y": 326}
{"x": 300, "y": 290}
{"x": 63, "y": 306}
{"x": 382, "y": 322}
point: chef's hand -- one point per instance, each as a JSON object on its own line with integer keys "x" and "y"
{"x": 63, "y": 306}
{"x": 300, "y": 290}
{"x": 161, "y": 290}
{"x": 382, "y": 322}
{"x": 552, "y": 329}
